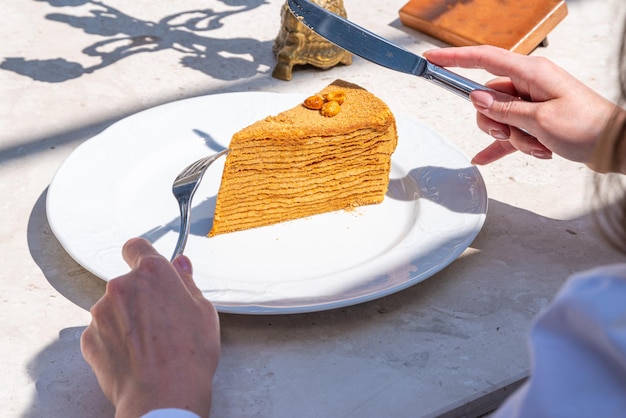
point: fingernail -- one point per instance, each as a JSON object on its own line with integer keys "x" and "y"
{"x": 543, "y": 155}
{"x": 182, "y": 263}
{"x": 498, "y": 134}
{"x": 482, "y": 98}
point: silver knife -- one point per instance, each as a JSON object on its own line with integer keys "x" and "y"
{"x": 376, "y": 49}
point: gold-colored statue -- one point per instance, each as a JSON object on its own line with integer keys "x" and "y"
{"x": 298, "y": 45}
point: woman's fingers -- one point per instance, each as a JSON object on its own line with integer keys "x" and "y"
{"x": 517, "y": 141}
{"x": 541, "y": 107}
{"x": 493, "y": 152}
{"x": 504, "y": 85}
{"x": 497, "y": 61}
{"x": 498, "y": 131}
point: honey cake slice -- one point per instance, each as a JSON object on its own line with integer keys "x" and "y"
{"x": 301, "y": 163}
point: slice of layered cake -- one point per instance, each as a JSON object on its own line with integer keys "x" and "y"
{"x": 329, "y": 153}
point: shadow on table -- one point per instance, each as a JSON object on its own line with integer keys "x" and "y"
{"x": 127, "y": 35}
{"x": 62, "y": 272}
{"x": 65, "y": 385}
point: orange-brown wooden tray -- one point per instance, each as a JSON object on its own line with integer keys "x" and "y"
{"x": 517, "y": 25}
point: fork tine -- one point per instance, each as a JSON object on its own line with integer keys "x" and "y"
{"x": 200, "y": 165}
{"x": 192, "y": 168}
{"x": 183, "y": 188}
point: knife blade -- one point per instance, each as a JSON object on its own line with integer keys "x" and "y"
{"x": 370, "y": 46}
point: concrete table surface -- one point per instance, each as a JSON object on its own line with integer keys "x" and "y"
{"x": 454, "y": 345}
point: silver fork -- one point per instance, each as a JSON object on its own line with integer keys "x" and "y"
{"x": 183, "y": 189}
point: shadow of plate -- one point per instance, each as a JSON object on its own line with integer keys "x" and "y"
{"x": 62, "y": 272}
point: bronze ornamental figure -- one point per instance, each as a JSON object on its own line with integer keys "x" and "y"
{"x": 298, "y": 45}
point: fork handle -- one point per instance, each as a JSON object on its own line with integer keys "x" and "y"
{"x": 185, "y": 223}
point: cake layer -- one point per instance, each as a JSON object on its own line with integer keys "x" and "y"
{"x": 300, "y": 163}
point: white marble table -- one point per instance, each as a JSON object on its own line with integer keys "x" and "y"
{"x": 453, "y": 345}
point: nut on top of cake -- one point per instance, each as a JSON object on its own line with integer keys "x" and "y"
{"x": 305, "y": 161}
{"x": 360, "y": 109}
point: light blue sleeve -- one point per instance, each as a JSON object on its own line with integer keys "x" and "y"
{"x": 578, "y": 352}
{"x": 170, "y": 413}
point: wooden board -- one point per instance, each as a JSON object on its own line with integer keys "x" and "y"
{"x": 517, "y": 25}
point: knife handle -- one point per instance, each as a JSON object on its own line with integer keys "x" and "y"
{"x": 455, "y": 83}
{"x": 451, "y": 81}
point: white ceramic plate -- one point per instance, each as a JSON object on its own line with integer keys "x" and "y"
{"x": 117, "y": 185}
